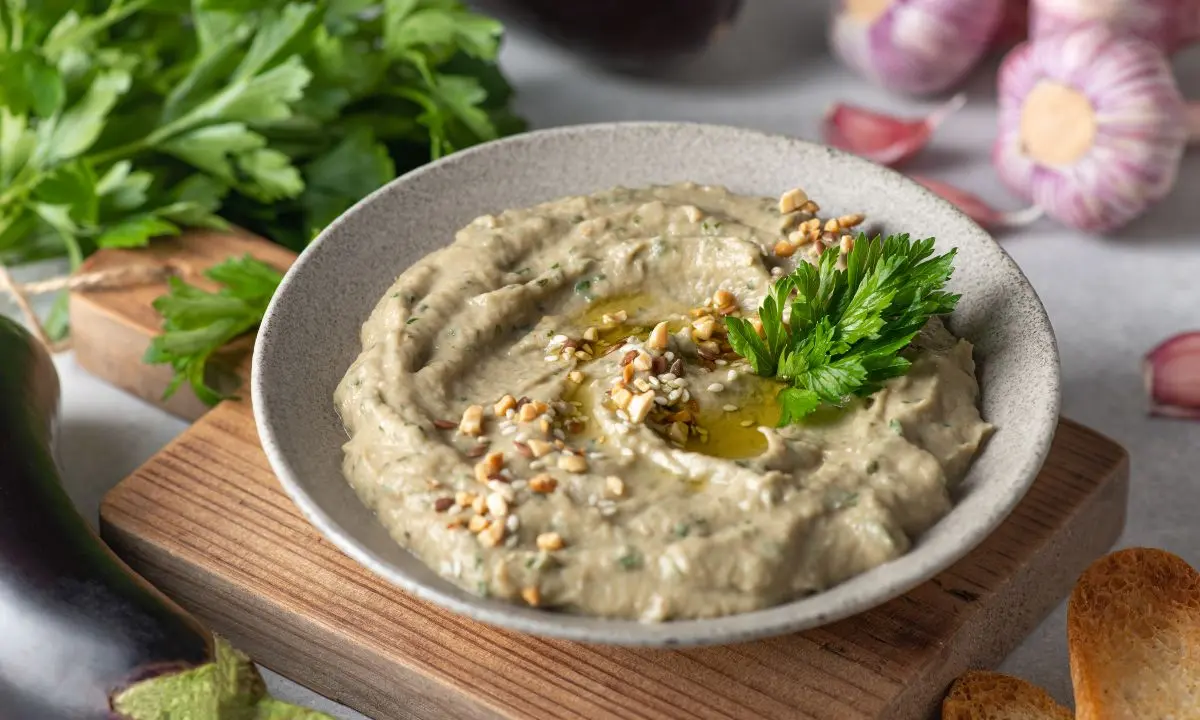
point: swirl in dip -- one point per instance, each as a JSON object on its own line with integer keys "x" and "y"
{"x": 548, "y": 411}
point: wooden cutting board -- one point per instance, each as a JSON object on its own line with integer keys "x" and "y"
{"x": 206, "y": 521}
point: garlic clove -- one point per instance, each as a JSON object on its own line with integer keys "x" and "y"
{"x": 1092, "y": 127}
{"x": 882, "y": 138}
{"x": 977, "y": 209}
{"x": 1172, "y": 376}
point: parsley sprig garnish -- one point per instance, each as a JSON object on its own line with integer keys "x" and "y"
{"x": 846, "y": 327}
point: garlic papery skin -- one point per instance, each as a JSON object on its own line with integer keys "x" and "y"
{"x": 1091, "y": 126}
{"x": 1169, "y": 24}
{"x": 917, "y": 47}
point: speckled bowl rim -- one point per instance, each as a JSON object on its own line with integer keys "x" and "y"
{"x": 896, "y": 577}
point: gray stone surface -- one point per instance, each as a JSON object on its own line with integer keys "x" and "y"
{"x": 1110, "y": 299}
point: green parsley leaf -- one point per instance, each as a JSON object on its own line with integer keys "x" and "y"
{"x": 196, "y": 323}
{"x": 846, "y": 328}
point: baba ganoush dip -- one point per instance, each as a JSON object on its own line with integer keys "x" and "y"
{"x": 548, "y": 411}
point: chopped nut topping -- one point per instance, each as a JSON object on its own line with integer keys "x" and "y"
{"x": 472, "y": 421}
{"x": 572, "y": 463}
{"x": 849, "y": 221}
{"x": 847, "y": 243}
{"x": 756, "y": 323}
{"x": 443, "y": 504}
{"x": 628, "y": 372}
{"x": 528, "y": 412}
{"x": 693, "y": 213}
{"x": 531, "y": 595}
{"x": 444, "y": 424}
{"x": 544, "y": 426}
{"x": 492, "y": 534}
{"x": 658, "y": 337}
{"x": 550, "y": 541}
{"x": 522, "y": 449}
{"x": 703, "y": 328}
{"x": 543, "y": 483}
{"x": 462, "y": 498}
{"x": 575, "y": 376}
{"x": 479, "y": 505}
{"x": 615, "y": 318}
{"x": 832, "y": 226}
{"x": 478, "y": 450}
{"x": 503, "y": 405}
{"x": 614, "y": 485}
{"x": 811, "y": 207}
{"x": 628, "y": 357}
{"x": 639, "y": 406}
{"x": 783, "y": 248}
{"x": 497, "y": 505}
{"x": 456, "y": 523}
{"x": 723, "y": 298}
{"x": 591, "y": 334}
{"x": 621, "y": 396}
{"x": 477, "y": 523}
{"x": 792, "y": 200}
{"x": 540, "y": 448}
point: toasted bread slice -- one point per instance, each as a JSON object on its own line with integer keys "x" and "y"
{"x": 982, "y": 695}
{"x": 1133, "y": 630}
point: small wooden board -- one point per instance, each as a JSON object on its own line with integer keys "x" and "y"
{"x": 206, "y": 521}
{"x": 112, "y": 327}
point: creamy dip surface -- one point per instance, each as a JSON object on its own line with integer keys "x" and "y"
{"x": 547, "y": 411}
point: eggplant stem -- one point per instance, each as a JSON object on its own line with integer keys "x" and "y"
{"x": 228, "y": 683}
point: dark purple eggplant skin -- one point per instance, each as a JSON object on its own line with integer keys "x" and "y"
{"x": 622, "y": 34}
{"x": 76, "y": 623}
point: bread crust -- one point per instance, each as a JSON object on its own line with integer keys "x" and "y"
{"x": 1133, "y": 631}
{"x": 985, "y": 695}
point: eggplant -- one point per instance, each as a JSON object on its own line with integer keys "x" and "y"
{"x": 82, "y": 636}
{"x": 633, "y": 35}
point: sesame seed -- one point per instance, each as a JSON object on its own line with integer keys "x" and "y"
{"x": 716, "y": 387}
{"x": 747, "y": 423}
{"x": 721, "y": 361}
{"x": 669, "y": 355}
{"x": 653, "y": 381}
{"x": 512, "y": 523}
{"x": 660, "y": 400}
{"x": 731, "y": 375}
{"x": 729, "y": 408}
{"x": 519, "y": 484}
{"x": 674, "y": 395}
{"x": 667, "y": 377}
{"x": 685, "y": 396}
{"x": 521, "y": 437}
{"x": 550, "y": 358}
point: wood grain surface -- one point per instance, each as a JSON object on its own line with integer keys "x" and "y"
{"x": 111, "y": 327}
{"x": 206, "y": 521}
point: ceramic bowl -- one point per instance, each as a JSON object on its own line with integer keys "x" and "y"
{"x": 311, "y": 335}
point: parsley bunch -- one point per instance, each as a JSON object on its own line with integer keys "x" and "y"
{"x": 124, "y": 120}
{"x": 846, "y": 328}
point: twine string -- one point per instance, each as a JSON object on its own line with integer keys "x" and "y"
{"x": 107, "y": 279}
